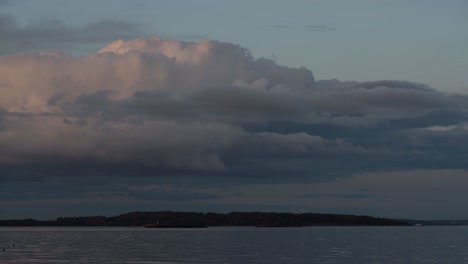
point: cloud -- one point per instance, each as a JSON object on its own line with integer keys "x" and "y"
{"x": 169, "y": 195}
{"x": 170, "y": 108}
{"x": 318, "y": 28}
{"x": 54, "y": 34}
{"x": 306, "y": 28}
{"x": 337, "y": 195}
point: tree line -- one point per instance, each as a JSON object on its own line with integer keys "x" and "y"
{"x": 187, "y": 219}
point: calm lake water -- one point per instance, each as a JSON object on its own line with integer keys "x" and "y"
{"x": 236, "y": 245}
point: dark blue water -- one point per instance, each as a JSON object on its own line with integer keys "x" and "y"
{"x": 236, "y": 245}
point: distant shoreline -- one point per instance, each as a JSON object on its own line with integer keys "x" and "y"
{"x": 169, "y": 219}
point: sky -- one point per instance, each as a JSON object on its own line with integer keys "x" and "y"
{"x": 355, "y": 107}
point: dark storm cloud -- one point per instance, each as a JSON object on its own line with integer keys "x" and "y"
{"x": 156, "y": 108}
{"x": 169, "y": 195}
{"x": 54, "y": 34}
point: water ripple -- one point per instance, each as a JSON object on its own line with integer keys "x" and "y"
{"x": 236, "y": 245}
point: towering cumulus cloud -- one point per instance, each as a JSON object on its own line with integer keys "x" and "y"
{"x": 211, "y": 108}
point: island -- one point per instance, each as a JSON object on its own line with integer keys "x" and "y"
{"x": 170, "y": 219}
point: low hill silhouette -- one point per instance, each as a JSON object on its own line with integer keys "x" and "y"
{"x": 195, "y": 219}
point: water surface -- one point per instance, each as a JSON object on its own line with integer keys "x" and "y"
{"x": 236, "y": 245}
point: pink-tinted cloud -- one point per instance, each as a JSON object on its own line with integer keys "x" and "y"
{"x": 207, "y": 106}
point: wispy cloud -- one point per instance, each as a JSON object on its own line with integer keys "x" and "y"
{"x": 317, "y": 28}
{"x": 334, "y": 195}
{"x": 299, "y": 28}
{"x": 56, "y": 35}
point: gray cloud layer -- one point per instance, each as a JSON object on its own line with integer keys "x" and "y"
{"x": 211, "y": 107}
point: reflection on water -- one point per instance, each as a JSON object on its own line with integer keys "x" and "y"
{"x": 236, "y": 245}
